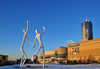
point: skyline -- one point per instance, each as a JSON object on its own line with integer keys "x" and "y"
{"x": 61, "y": 19}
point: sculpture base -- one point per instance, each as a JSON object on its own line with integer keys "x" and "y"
{"x": 29, "y": 66}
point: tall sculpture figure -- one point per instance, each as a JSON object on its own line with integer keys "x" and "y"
{"x": 38, "y": 36}
{"x": 24, "y": 37}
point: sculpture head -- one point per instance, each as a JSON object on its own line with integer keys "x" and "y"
{"x": 36, "y": 31}
{"x": 24, "y": 31}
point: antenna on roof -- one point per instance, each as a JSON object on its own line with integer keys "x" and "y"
{"x": 86, "y": 18}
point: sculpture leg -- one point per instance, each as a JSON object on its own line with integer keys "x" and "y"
{"x": 25, "y": 57}
{"x": 32, "y": 58}
{"x": 43, "y": 57}
{"x": 38, "y": 51}
{"x": 21, "y": 65}
{"x": 35, "y": 55}
{"x": 21, "y": 61}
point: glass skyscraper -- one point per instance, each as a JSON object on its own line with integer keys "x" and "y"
{"x": 87, "y": 33}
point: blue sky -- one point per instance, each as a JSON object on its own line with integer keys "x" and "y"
{"x": 61, "y": 18}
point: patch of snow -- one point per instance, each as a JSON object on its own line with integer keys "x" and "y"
{"x": 56, "y": 66}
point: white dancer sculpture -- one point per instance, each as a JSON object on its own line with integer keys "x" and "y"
{"x": 24, "y": 37}
{"x": 38, "y": 36}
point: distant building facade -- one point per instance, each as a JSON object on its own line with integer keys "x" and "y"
{"x": 3, "y": 58}
{"x": 54, "y": 56}
{"x": 84, "y": 51}
{"x": 87, "y": 33}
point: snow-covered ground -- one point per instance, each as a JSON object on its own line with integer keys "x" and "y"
{"x": 57, "y": 66}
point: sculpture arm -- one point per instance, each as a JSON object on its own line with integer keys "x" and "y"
{"x": 44, "y": 30}
{"x": 29, "y": 41}
{"x": 27, "y": 26}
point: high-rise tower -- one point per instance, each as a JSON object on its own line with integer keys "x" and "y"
{"x": 86, "y": 30}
